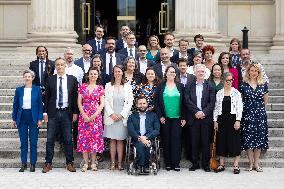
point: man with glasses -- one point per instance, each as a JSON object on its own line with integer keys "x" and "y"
{"x": 98, "y": 43}
{"x": 130, "y": 50}
{"x": 85, "y": 61}
{"x": 121, "y": 43}
{"x": 143, "y": 63}
{"x": 199, "y": 43}
{"x": 183, "y": 53}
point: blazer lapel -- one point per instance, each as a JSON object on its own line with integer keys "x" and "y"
{"x": 21, "y": 96}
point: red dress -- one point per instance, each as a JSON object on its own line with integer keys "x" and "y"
{"x": 90, "y": 134}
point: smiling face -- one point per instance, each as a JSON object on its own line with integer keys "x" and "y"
{"x": 225, "y": 59}
{"x": 142, "y": 51}
{"x": 130, "y": 65}
{"x": 199, "y": 43}
{"x": 197, "y": 59}
{"x": 228, "y": 81}
{"x": 97, "y": 62}
{"x": 200, "y": 73}
{"x": 183, "y": 46}
{"x": 110, "y": 45}
{"x": 253, "y": 73}
{"x": 234, "y": 46}
{"x": 217, "y": 71}
{"x": 28, "y": 78}
{"x": 171, "y": 74}
{"x": 142, "y": 105}
{"x": 165, "y": 56}
{"x": 169, "y": 41}
{"x": 245, "y": 55}
{"x": 153, "y": 42}
{"x": 182, "y": 66}
{"x": 93, "y": 75}
{"x": 99, "y": 32}
{"x": 208, "y": 55}
{"x": 87, "y": 51}
{"x": 60, "y": 66}
{"x": 117, "y": 73}
{"x": 150, "y": 75}
{"x": 41, "y": 53}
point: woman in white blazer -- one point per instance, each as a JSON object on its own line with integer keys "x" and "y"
{"x": 227, "y": 116}
{"x": 118, "y": 103}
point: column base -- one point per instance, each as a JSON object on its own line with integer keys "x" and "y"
{"x": 277, "y": 45}
{"x": 55, "y": 42}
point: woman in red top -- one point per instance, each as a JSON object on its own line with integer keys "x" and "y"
{"x": 225, "y": 61}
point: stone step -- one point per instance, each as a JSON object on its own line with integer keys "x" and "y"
{"x": 276, "y": 99}
{"x": 7, "y": 92}
{"x": 276, "y": 141}
{"x": 14, "y": 78}
{"x": 6, "y": 106}
{"x": 12, "y": 72}
{"x": 275, "y": 114}
{"x": 275, "y": 107}
{"x": 10, "y": 85}
{"x": 275, "y": 123}
{"x": 276, "y": 92}
{"x": 14, "y": 143}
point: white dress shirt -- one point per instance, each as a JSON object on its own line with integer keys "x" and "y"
{"x": 27, "y": 98}
{"x": 87, "y": 64}
{"x": 124, "y": 44}
{"x": 39, "y": 67}
{"x": 180, "y": 56}
{"x": 108, "y": 60}
{"x": 133, "y": 51}
{"x": 64, "y": 90}
{"x": 98, "y": 45}
{"x": 143, "y": 66}
{"x": 74, "y": 70}
{"x": 163, "y": 68}
{"x": 142, "y": 123}
{"x": 199, "y": 90}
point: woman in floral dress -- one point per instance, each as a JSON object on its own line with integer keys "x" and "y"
{"x": 90, "y": 128}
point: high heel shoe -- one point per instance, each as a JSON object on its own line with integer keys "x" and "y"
{"x": 250, "y": 168}
{"x": 120, "y": 167}
{"x": 94, "y": 167}
{"x": 23, "y": 168}
{"x": 112, "y": 166}
{"x": 84, "y": 168}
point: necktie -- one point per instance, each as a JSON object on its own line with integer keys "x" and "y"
{"x": 130, "y": 50}
{"x": 41, "y": 73}
{"x": 60, "y": 101}
{"x": 110, "y": 65}
{"x": 99, "y": 46}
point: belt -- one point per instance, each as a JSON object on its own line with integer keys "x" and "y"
{"x": 62, "y": 109}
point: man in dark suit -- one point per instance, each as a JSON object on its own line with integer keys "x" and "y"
{"x": 143, "y": 127}
{"x": 130, "y": 50}
{"x": 160, "y": 68}
{"x": 200, "y": 101}
{"x": 142, "y": 62}
{"x": 183, "y": 53}
{"x": 42, "y": 66}
{"x": 85, "y": 61}
{"x": 199, "y": 42}
{"x": 169, "y": 40}
{"x": 98, "y": 44}
{"x": 121, "y": 43}
{"x": 60, "y": 110}
{"x": 110, "y": 57}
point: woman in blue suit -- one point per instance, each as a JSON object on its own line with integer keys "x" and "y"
{"x": 27, "y": 116}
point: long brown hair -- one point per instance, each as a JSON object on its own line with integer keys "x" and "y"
{"x": 96, "y": 69}
{"x": 123, "y": 80}
{"x": 165, "y": 75}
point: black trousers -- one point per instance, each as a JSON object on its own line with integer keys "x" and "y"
{"x": 186, "y": 142}
{"x": 171, "y": 138}
{"x": 200, "y": 141}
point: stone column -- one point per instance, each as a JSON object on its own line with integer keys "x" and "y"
{"x": 198, "y": 17}
{"x": 278, "y": 39}
{"x": 52, "y": 24}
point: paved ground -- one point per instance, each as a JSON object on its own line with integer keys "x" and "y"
{"x": 271, "y": 178}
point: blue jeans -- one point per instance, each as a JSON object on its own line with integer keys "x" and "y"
{"x": 63, "y": 121}
{"x": 28, "y": 129}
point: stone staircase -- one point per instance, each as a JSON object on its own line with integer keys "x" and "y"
{"x": 11, "y": 76}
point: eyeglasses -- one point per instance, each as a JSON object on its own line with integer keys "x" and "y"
{"x": 87, "y": 50}
{"x": 172, "y": 72}
{"x": 229, "y": 80}
{"x": 142, "y": 50}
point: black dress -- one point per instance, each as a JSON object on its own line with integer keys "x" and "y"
{"x": 228, "y": 141}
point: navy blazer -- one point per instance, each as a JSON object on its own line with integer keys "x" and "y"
{"x": 120, "y": 45}
{"x": 175, "y": 58}
{"x": 150, "y": 63}
{"x": 158, "y": 69}
{"x": 51, "y": 95}
{"x": 49, "y": 70}
{"x": 125, "y": 53}
{"x": 207, "y": 101}
{"x": 80, "y": 63}
{"x": 152, "y": 125}
{"x": 36, "y": 104}
{"x": 93, "y": 43}
{"x": 119, "y": 60}
{"x": 159, "y": 100}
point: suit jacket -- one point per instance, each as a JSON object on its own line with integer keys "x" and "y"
{"x": 150, "y": 63}
{"x": 51, "y": 95}
{"x": 119, "y": 60}
{"x": 36, "y": 104}
{"x": 128, "y": 101}
{"x": 80, "y": 63}
{"x": 175, "y": 58}
{"x": 125, "y": 53}
{"x": 190, "y": 78}
{"x": 207, "y": 102}
{"x": 93, "y": 43}
{"x": 159, "y": 100}
{"x": 158, "y": 69}
{"x": 49, "y": 70}
{"x": 120, "y": 45}
{"x": 152, "y": 125}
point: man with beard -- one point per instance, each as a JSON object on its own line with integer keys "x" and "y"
{"x": 143, "y": 127}
{"x": 85, "y": 61}
{"x": 43, "y": 67}
{"x": 98, "y": 43}
{"x": 110, "y": 57}
{"x": 130, "y": 50}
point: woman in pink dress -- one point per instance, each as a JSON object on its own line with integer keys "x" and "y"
{"x": 90, "y": 128}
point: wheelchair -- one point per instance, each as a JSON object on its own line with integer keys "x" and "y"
{"x": 131, "y": 157}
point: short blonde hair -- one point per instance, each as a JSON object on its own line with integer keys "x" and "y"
{"x": 30, "y": 72}
{"x": 260, "y": 74}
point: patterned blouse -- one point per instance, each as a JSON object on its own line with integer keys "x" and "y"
{"x": 145, "y": 89}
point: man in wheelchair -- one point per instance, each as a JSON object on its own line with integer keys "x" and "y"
{"x": 143, "y": 127}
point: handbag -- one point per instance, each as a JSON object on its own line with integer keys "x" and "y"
{"x": 213, "y": 162}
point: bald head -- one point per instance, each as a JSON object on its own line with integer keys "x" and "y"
{"x": 165, "y": 55}
{"x": 87, "y": 51}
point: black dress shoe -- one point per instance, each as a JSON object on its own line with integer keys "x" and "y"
{"x": 23, "y": 168}
{"x": 168, "y": 168}
{"x": 194, "y": 167}
{"x": 146, "y": 170}
{"x": 32, "y": 168}
{"x": 207, "y": 169}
